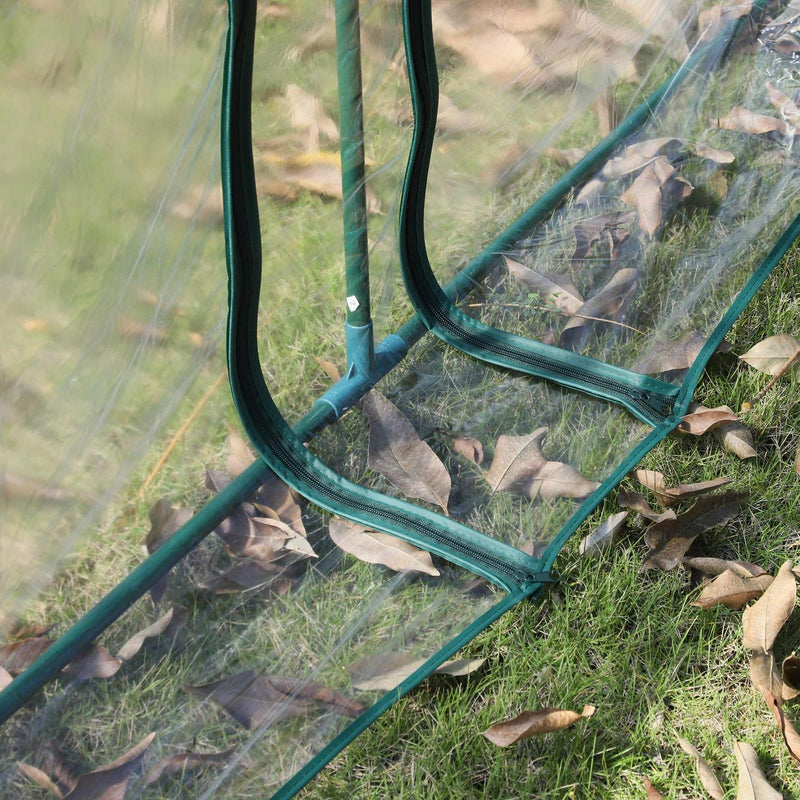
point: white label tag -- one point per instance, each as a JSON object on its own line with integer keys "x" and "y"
{"x": 352, "y": 302}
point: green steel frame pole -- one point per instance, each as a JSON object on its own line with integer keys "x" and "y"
{"x": 360, "y": 344}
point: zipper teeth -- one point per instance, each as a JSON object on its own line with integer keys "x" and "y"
{"x": 638, "y": 397}
{"x": 299, "y": 469}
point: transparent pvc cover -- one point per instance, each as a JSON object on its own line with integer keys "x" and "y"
{"x": 114, "y": 288}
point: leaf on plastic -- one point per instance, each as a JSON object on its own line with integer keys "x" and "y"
{"x": 110, "y": 781}
{"x": 787, "y": 107}
{"x": 790, "y": 676}
{"x": 667, "y": 356}
{"x": 251, "y": 699}
{"x": 588, "y": 232}
{"x": 566, "y": 157}
{"x": 275, "y": 499}
{"x": 469, "y": 447}
{"x": 604, "y": 535}
{"x": 743, "y": 120}
{"x": 519, "y": 466}
{"x": 397, "y": 452}
{"x": 635, "y": 501}
{"x": 39, "y": 777}
{"x": 701, "y": 419}
{"x": 181, "y": 764}
{"x": 762, "y": 621}
{"x": 669, "y": 540}
{"x": 711, "y": 20}
{"x": 166, "y": 626}
{"x": 607, "y": 305}
{"x": 655, "y": 185}
{"x": 534, "y": 723}
{"x": 165, "y": 519}
{"x": 262, "y": 540}
{"x": 18, "y": 656}
{"x": 753, "y": 784}
{"x": 732, "y": 590}
{"x": 240, "y": 456}
{"x": 707, "y": 775}
{"x": 380, "y": 548}
{"x": 94, "y": 661}
{"x": 557, "y": 289}
{"x": 385, "y": 671}
{"x": 772, "y": 354}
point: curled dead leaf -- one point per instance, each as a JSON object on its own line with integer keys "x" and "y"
{"x": 39, "y": 777}
{"x": 534, "y": 723}
{"x": 635, "y": 501}
{"x": 701, "y": 419}
{"x": 732, "y": 590}
{"x": 385, "y": 671}
{"x": 181, "y": 764}
{"x": 762, "y": 622}
{"x": 166, "y": 625}
{"x": 469, "y": 447}
{"x": 743, "y": 120}
{"x": 18, "y": 656}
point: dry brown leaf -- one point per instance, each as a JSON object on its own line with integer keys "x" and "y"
{"x": 654, "y": 185}
{"x": 240, "y": 456}
{"x": 735, "y": 437}
{"x": 110, "y": 781}
{"x": 275, "y": 499}
{"x": 385, "y": 671}
{"x": 519, "y": 466}
{"x": 469, "y": 447}
{"x": 94, "y": 661}
{"x": 790, "y": 735}
{"x": 165, "y": 519}
{"x": 18, "y": 656}
{"x": 262, "y": 539}
{"x": 604, "y": 535}
{"x": 771, "y": 355}
{"x": 743, "y": 120}
{"x": 181, "y": 764}
{"x": 567, "y": 157}
{"x": 790, "y": 675}
{"x": 672, "y": 356}
{"x": 652, "y": 792}
{"x": 589, "y": 231}
{"x": 732, "y": 590}
{"x": 247, "y": 576}
{"x": 328, "y": 368}
{"x": 752, "y": 783}
{"x": 669, "y": 540}
{"x": 148, "y": 333}
{"x": 167, "y": 625}
{"x": 655, "y": 481}
{"x": 628, "y": 499}
{"x": 707, "y": 775}
{"x": 764, "y": 675}
{"x": 380, "y": 548}
{"x": 762, "y": 621}
{"x": 306, "y": 114}
{"x": 252, "y": 699}
{"x": 608, "y": 304}
{"x": 701, "y": 419}
{"x": 39, "y": 777}
{"x": 716, "y": 566}
{"x": 5, "y": 678}
{"x": 534, "y": 723}
{"x": 397, "y": 452}
{"x": 557, "y": 289}
{"x": 789, "y": 110}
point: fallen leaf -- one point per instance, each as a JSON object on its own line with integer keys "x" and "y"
{"x": 262, "y": 539}
{"x": 752, "y": 783}
{"x": 519, "y": 466}
{"x": 39, "y": 777}
{"x": 567, "y": 157}
{"x": 762, "y": 621}
{"x": 628, "y": 499}
{"x": 5, "y": 678}
{"x": 716, "y": 566}
{"x": 534, "y": 723}
{"x": 110, "y": 781}
{"x": 790, "y": 735}
{"x": 165, "y": 520}
{"x": 166, "y": 625}
{"x": 380, "y": 548}
{"x": 772, "y": 354}
{"x": 789, "y": 110}
{"x": 469, "y": 447}
{"x": 180, "y": 764}
{"x": 94, "y": 661}
{"x": 18, "y": 656}
{"x": 764, "y": 675}
{"x": 557, "y": 289}
{"x": 732, "y": 590}
{"x": 275, "y": 499}
{"x": 669, "y": 540}
{"x": 672, "y": 494}
{"x": 306, "y": 114}
{"x": 604, "y": 535}
{"x": 790, "y": 676}
{"x": 744, "y": 121}
{"x": 328, "y": 368}
{"x": 246, "y": 576}
{"x": 607, "y": 305}
{"x": 735, "y": 437}
{"x": 701, "y": 419}
{"x": 397, "y": 452}
{"x": 655, "y": 185}
{"x": 707, "y": 775}
{"x": 252, "y": 699}
{"x": 652, "y": 792}
{"x": 673, "y": 356}
{"x": 240, "y": 456}
{"x": 590, "y": 230}
{"x": 386, "y": 671}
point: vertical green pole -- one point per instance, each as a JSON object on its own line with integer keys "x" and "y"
{"x": 360, "y": 344}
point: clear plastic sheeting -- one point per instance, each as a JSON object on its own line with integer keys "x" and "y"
{"x": 637, "y": 264}
{"x": 112, "y": 263}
